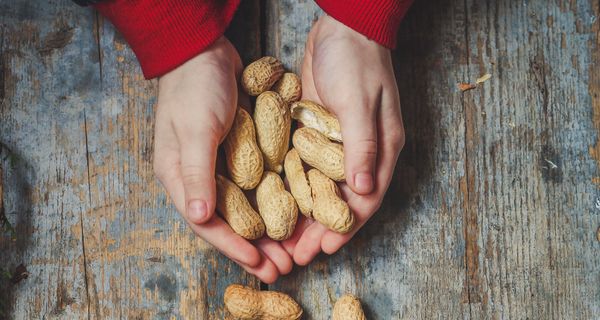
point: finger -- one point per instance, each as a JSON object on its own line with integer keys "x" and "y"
{"x": 309, "y": 245}
{"x": 266, "y": 271}
{"x": 390, "y": 144}
{"x": 216, "y": 231}
{"x": 219, "y": 234}
{"x": 359, "y": 131}
{"x": 290, "y": 244}
{"x": 275, "y": 252}
{"x": 198, "y": 157}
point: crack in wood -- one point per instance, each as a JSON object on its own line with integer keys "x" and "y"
{"x": 87, "y": 163}
{"x": 471, "y": 227}
{"x": 2, "y": 68}
{"x": 97, "y": 28}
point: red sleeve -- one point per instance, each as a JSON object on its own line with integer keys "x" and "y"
{"x": 165, "y": 34}
{"x": 378, "y": 20}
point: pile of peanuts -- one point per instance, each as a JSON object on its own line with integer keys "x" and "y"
{"x": 257, "y": 152}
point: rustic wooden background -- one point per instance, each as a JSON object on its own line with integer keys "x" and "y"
{"x": 492, "y": 214}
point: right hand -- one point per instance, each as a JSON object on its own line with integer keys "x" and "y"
{"x": 197, "y": 102}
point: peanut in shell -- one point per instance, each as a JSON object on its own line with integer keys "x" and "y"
{"x": 260, "y": 75}
{"x": 242, "y": 154}
{"x": 272, "y": 121}
{"x": 319, "y": 152}
{"x": 328, "y": 206}
{"x": 237, "y": 211}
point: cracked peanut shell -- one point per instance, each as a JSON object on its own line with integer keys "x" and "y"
{"x": 314, "y": 115}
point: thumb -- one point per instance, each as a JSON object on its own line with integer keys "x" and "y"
{"x": 198, "y": 157}
{"x": 359, "y": 132}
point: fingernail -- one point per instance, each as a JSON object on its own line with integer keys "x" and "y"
{"x": 363, "y": 182}
{"x": 197, "y": 210}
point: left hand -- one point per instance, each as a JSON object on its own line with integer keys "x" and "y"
{"x": 354, "y": 78}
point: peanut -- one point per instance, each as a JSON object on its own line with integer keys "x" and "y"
{"x": 289, "y": 87}
{"x": 315, "y": 116}
{"x": 260, "y": 75}
{"x": 318, "y": 152}
{"x": 299, "y": 187}
{"x": 237, "y": 211}
{"x": 246, "y": 303}
{"x": 328, "y": 207}
{"x": 276, "y": 206}
{"x": 348, "y": 308}
{"x": 273, "y": 121}
{"x": 243, "y": 157}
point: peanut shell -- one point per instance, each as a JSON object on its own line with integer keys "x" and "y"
{"x": 299, "y": 187}
{"x": 246, "y": 303}
{"x": 318, "y": 152}
{"x": 348, "y": 308}
{"x": 237, "y": 211}
{"x": 276, "y": 206}
{"x": 314, "y": 115}
{"x": 328, "y": 206}
{"x": 260, "y": 75}
{"x": 289, "y": 87}
{"x": 242, "y": 154}
{"x": 273, "y": 121}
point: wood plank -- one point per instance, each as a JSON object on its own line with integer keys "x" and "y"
{"x": 531, "y": 217}
{"x": 47, "y": 75}
{"x": 407, "y": 263}
{"x": 94, "y": 229}
{"x": 144, "y": 262}
{"x": 491, "y": 214}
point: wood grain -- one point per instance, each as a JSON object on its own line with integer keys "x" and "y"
{"x": 95, "y": 230}
{"x": 492, "y": 214}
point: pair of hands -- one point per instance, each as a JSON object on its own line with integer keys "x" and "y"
{"x": 342, "y": 70}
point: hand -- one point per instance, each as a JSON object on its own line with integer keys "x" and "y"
{"x": 196, "y": 106}
{"x": 354, "y": 78}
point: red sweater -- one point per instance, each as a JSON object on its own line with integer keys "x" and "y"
{"x": 165, "y": 34}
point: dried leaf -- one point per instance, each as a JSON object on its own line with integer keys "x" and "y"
{"x": 466, "y": 86}
{"x": 483, "y": 78}
{"x": 598, "y": 234}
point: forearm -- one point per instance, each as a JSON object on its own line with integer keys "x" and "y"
{"x": 378, "y": 20}
{"x": 165, "y": 34}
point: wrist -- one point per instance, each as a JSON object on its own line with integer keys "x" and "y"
{"x": 331, "y": 29}
{"x": 218, "y": 54}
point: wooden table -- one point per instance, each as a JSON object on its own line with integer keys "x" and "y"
{"x": 492, "y": 214}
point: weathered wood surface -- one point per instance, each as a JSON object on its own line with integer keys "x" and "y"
{"x": 492, "y": 213}
{"x": 94, "y": 229}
